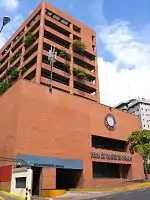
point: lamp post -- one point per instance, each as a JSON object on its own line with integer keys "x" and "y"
{"x": 6, "y": 20}
{"x": 52, "y": 59}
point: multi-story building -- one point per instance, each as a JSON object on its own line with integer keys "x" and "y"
{"x": 139, "y": 107}
{"x": 67, "y": 141}
{"x": 28, "y": 48}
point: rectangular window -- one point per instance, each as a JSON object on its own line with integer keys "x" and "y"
{"x": 21, "y": 182}
{"x": 93, "y": 37}
{"x": 58, "y": 18}
{"x": 110, "y": 170}
{"x": 109, "y": 144}
{"x": 76, "y": 28}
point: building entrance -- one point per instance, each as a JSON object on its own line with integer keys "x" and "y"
{"x": 36, "y": 180}
{"x": 68, "y": 178}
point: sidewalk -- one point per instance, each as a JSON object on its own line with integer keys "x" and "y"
{"x": 82, "y": 195}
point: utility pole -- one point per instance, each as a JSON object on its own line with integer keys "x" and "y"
{"x": 52, "y": 59}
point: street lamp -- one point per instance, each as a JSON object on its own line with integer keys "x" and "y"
{"x": 52, "y": 59}
{"x": 6, "y": 20}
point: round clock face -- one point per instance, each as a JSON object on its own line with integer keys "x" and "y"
{"x": 110, "y": 122}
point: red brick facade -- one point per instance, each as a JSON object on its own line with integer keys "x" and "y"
{"x": 60, "y": 125}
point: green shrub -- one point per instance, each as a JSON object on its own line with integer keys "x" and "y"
{"x": 80, "y": 74}
{"x": 79, "y": 46}
{"x": 65, "y": 55}
{"x": 23, "y": 70}
{"x": 66, "y": 67}
{"x": 14, "y": 74}
{"x": 29, "y": 39}
{"x": 3, "y": 87}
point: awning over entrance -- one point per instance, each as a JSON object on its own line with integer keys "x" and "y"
{"x": 42, "y": 161}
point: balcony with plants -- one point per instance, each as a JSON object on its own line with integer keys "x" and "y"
{"x": 84, "y": 78}
{"x": 29, "y": 39}
{"x": 15, "y": 57}
{"x": 78, "y": 46}
{"x": 9, "y": 78}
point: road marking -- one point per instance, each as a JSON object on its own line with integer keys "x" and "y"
{"x": 141, "y": 190}
{"x": 128, "y": 192}
{"x": 109, "y": 197}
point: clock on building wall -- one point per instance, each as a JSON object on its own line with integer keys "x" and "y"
{"x": 110, "y": 122}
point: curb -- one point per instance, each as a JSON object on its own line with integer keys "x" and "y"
{"x": 126, "y": 188}
{"x": 12, "y": 195}
{"x": 1, "y": 198}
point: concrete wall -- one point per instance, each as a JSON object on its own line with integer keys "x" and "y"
{"x": 18, "y": 173}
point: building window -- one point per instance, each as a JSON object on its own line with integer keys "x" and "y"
{"x": 49, "y": 13}
{"x": 76, "y": 28}
{"x": 109, "y": 170}
{"x": 21, "y": 182}
{"x": 107, "y": 143}
{"x": 93, "y": 47}
{"x": 65, "y": 22}
{"x": 56, "y": 17}
{"x": 93, "y": 37}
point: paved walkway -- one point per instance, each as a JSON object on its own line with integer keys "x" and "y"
{"x": 8, "y": 197}
{"x": 82, "y": 195}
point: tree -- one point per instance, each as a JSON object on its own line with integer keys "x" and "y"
{"x": 139, "y": 142}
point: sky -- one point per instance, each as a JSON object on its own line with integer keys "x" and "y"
{"x": 123, "y": 40}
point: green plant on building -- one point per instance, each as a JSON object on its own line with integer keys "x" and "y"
{"x": 23, "y": 70}
{"x": 80, "y": 74}
{"x": 79, "y": 46}
{"x": 11, "y": 75}
{"x": 65, "y": 55}
{"x": 4, "y": 86}
{"x": 8, "y": 71}
{"x": 12, "y": 59}
{"x": 29, "y": 39}
{"x": 66, "y": 67}
{"x": 89, "y": 77}
{"x": 14, "y": 74}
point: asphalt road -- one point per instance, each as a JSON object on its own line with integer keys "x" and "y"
{"x": 140, "y": 194}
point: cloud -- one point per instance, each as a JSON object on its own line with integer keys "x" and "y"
{"x": 128, "y": 75}
{"x": 10, "y": 29}
{"x": 10, "y": 5}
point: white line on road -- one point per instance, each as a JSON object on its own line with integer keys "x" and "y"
{"x": 141, "y": 190}
{"x": 128, "y": 193}
{"x": 109, "y": 197}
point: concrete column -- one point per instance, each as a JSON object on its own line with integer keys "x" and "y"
{"x": 97, "y": 81}
{"x": 22, "y": 51}
{"x": 71, "y": 84}
{"x": 40, "y": 44}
